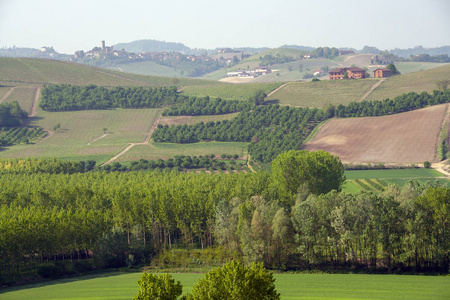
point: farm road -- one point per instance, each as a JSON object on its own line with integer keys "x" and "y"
{"x": 35, "y": 100}
{"x": 131, "y": 145}
{"x": 7, "y": 94}
{"x": 442, "y": 167}
{"x": 277, "y": 89}
{"x": 377, "y": 84}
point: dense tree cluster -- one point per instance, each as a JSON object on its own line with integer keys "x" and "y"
{"x": 179, "y": 161}
{"x": 128, "y": 217}
{"x": 67, "y": 97}
{"x": 326, "y": 52}
{"x": 402, "y": 103}
{"x": 195, "y": 106}
{"x": 11, "y": 115}
{"x": 443, "y": 58}
{"x": 272, "y": 129}
{"x": 47, "y": 165}
{"x": 269, "y": 59}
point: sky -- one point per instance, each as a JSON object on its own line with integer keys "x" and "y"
{"x": 69, "y": 26}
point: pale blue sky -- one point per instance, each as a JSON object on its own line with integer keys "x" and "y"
{"x": 80, "y": 25}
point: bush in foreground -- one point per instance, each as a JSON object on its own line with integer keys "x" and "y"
{"x": 235, "y": 281}
{"x": 161, "y": 287}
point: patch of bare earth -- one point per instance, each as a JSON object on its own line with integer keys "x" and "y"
{"x": 409, "y": 137}
{"x": 177, "y": 120}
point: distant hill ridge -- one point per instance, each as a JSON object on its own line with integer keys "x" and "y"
{"x": 152, "y": 46}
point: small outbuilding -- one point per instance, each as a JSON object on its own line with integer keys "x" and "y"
{"x": 382, "y": 72}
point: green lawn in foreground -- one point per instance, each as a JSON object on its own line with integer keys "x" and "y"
{"x": 290, "y": 286}
{"x": 393, "y": 174}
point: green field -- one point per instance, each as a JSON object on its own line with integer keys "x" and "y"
{"x": 78, "y": 128}
{"x": 290, "y": 286}
{"x": 19, "y": 71}
{"x": 149, "y": 68}
{"x": 231, "y": 91}
{"x": 374, "y": 180}
{"x": 413, "y": 82}
{"x": 3, "y": 91}
{"x": 24, "y": 96}
{"x": 320, "y": 93}
{"x": 168, "y": 150}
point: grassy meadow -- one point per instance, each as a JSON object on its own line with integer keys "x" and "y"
{"x": 320, "y": 93}
{"x": 20, "y": 71}
{"x": 168, "y": 150}
{"x": 413, "y": 82}
{"x": 24, "y": 96}
{"x": 376, "y": 180}
{"x": 149, "y": 68}
{"x": 231, "y": 91}
{"x": 290, "y": 286}
{"x": 79, "y": 128}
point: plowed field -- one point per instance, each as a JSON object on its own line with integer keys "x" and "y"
{"x": 409, "y": 137}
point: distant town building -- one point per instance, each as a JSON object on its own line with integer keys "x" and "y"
{"x": 378, "y": 60}
{"x": 381, "y": 73}
{"x": 46, "y": 49}
{"x": 79, "y": 54}
{"x": 352, "y": 73}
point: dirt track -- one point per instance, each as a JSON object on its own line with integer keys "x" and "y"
{"x": 131, "y": 145}
{"x": 35, "y": 100}
{"x": 409, "y": 137}
{"x": 7, "y": 94}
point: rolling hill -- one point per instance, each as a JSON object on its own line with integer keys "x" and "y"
{"x": 28, "y": 71}
{"x": 320, "y": 93}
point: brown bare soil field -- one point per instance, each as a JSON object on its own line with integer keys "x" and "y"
{"x": 362, "y": 60}
{"x": 409, "y": 137}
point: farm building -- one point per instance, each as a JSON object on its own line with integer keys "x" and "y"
{"x": 250, "y": 73}
{"x": 352, "y": 73}
{"x": 381, "y": 73}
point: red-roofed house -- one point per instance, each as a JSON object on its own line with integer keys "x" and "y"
{"x": 352, "y": 73}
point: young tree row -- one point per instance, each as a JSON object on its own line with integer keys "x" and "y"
{"x": 67, "y": 97}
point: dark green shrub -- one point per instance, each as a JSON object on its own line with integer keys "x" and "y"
{"x": 82, "y": 266}
{"x": 50, "y": 271}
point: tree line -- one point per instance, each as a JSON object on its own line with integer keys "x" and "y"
{"x": 195, "y": 106}
{"x": 66, "y": 97}
{"x": 293, "y": 218}
{"x": 11, "y": 115}
{"x": 399, "y": 104}
{"x": 45, "y": 165}
{"x": 271, "y": 128}
{"x": 178, "y": 162}
{"x": 269, "y": 59}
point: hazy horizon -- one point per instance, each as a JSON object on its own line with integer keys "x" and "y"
{"x": 199, "y": 24}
